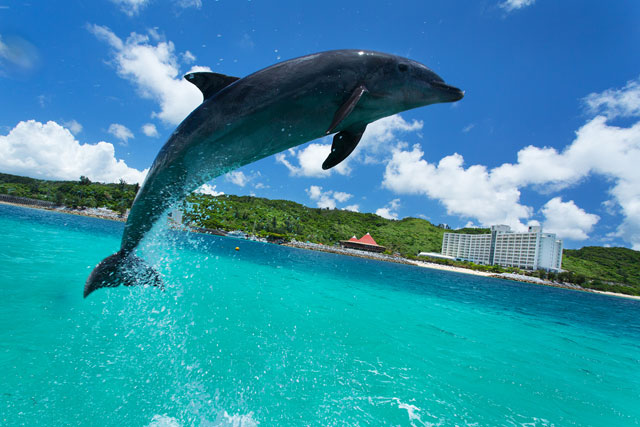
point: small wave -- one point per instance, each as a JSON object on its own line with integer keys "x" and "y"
{"x": 164, "y": 421}
{"x": 223, "y": 420}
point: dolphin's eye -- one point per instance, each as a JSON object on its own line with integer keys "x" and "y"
{"x": 403, "y": 67}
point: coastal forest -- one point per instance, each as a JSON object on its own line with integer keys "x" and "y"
{"x": 72, "y": 194}
{"x": 611, "y": 269}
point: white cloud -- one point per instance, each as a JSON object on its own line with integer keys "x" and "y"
{"x": 131, "y": 7}
{"x": 155, "y": 34}
{"x": 341, "y": 196}
{"x": 150, "y": 130}
{"x": 469, "y": 192}
{"x": 121, "y": 132}
{"x": 73, "y": 126}
{"x": 623, "y": 102}
{"x": 389, "y": 211}
{"x": 380, "y": 137}
{"x": 352, "y": 208}
{"x": 238, "y": 178}
{"x": 17, "y": 55}
{"x": 327, "y": 199}
{"x": 510, "y": 5}
{"x": 310, "y": 160}
{"x": 567, "y": 220}
{"x": 190, "y": 3}
{"x": 188, "y": 57}
{"x": 50, "y": 151}
{"x": 154, "y": 70}
{"x": 493, "y": 196}
{"x": 324, "y": 199}
{"x": 468, "y": 128}
{"x": 209, "y": 189}
{"x": 376, "y": 145}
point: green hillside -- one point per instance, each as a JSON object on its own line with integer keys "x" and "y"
{"x": 73, "y": 194}
{"x": 620, "y": 265}
{"x": 294, "y": 221}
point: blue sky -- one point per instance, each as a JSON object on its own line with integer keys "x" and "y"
{"x": 548, "y": 132}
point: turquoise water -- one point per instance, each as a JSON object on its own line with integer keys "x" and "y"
{"x": 277, "y": 336}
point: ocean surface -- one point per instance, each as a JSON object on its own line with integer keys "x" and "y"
{"x": 271, "y": 335}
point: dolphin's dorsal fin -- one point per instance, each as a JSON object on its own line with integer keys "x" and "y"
{"x": 344, "y": 143}
{"x": 347, "y": 108}
{"x": 210, "y": 83}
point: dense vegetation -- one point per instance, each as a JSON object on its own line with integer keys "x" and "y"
{"x": 603, "y": 265}
{"x": 290, "y": 220}
{"x": 611, "y": 269}
{"x": 73, "y": 194}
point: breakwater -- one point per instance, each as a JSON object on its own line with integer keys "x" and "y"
{"x": 26, "y": 201}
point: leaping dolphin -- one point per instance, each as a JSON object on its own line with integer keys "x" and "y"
{"x": 242, "y": 120}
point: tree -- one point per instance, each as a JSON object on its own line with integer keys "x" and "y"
{"x": 84, "y": 180}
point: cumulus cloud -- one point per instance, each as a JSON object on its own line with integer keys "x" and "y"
{"x": 510, "y": 5}
{"x": 154, "y": 71}
{"x": 389, "y": 211}
{"x": 341, "y": 196}
{"x": 567, "y": 220}
{"x": 492, "y": 196}
{"x": 209, "y": 189}
{"x": 377, "y": 143}
{"x": 309, "y": 161}
{"x": 50, "y": 151}
{"x": 468, "y": 192}
{"x": 150, "y": 130}
{"x": 121, "y": 132}
{"x": 380, "y": 138}
{"x": 327, "y": 199}
{"x": 238, "y": 178}
{"x": 352, "y": 208}
{"x": 73, "y": 126}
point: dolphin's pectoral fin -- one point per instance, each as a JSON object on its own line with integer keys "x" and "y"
{"x": 210, "y": 83}
{"x": 347, "y": 108}
{"x": 343, "y": 144}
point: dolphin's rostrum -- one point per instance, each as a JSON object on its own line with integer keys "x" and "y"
{"x": 242, "y": 120}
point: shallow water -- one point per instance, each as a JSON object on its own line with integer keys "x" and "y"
{"x": 279, "y": 336}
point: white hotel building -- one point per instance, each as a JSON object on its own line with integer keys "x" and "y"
{"x": 532, "y": 250}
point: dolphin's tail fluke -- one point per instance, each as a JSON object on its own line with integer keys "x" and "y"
{"x": 121, "y": 269}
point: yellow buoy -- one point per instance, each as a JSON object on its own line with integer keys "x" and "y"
{"x": 237, "y": 248}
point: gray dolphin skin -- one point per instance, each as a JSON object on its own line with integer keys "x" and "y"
{"x": 242, "y": 120}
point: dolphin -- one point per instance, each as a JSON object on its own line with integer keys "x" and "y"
{"x": 242, "y": 120}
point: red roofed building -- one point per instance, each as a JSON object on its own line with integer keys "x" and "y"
{"x": 365, "y": 243}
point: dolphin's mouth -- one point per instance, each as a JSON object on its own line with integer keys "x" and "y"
{"x": 451, "y": 93}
